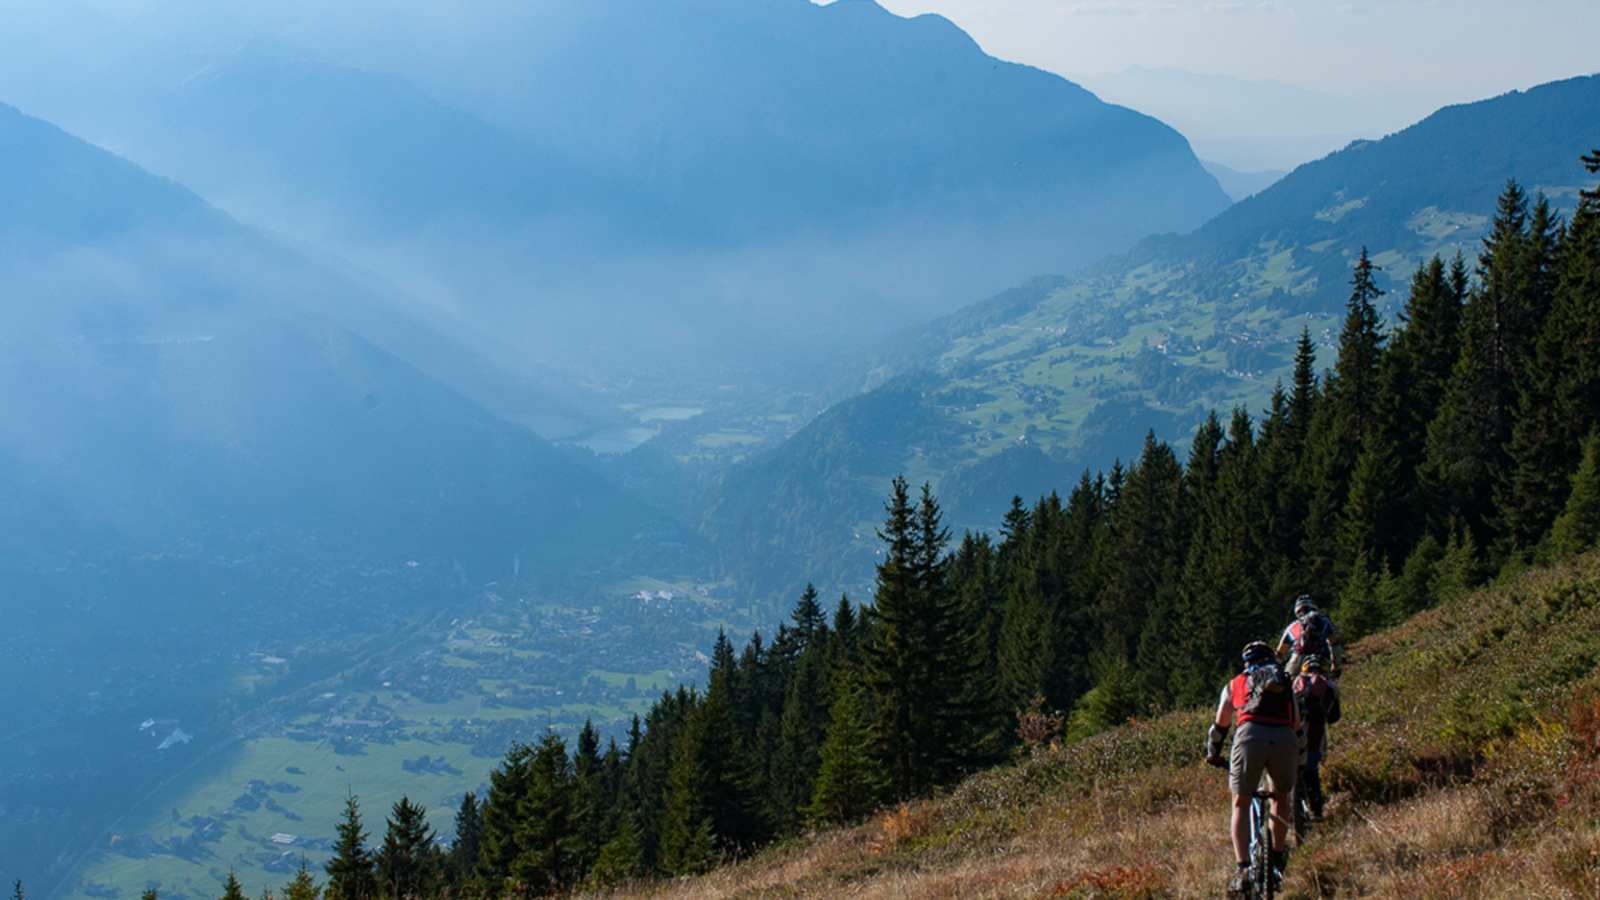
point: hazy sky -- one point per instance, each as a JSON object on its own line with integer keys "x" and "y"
{"x": 1454, "y": 48}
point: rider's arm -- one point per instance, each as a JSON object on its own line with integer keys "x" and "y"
{"x": 1283, "y": 642}
{"x": 1218, "y": 732}
{"x": 1224, "y": 717}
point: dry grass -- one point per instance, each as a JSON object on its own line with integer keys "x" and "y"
{"x": 1469, "y": 766}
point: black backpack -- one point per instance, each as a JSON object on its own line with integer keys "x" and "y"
{"x": 1269, "y": 695}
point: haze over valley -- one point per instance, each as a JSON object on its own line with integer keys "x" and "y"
{"x": 386, "y": 385}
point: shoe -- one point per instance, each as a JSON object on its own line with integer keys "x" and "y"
{"x": 1240, "y": 882}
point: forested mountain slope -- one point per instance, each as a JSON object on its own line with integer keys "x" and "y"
{"x": 1030, "y": 387}
{"x": 1465, "y": 766}
{"x": 1459, "y": 448}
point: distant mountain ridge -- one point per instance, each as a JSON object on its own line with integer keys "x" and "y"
{"x": 740, "y": 178}
{"x": 160, "y": 308}
{"x": 1031, "y": 387}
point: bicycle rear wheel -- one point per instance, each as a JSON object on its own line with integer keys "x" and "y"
{"x": 1261, "y": 862}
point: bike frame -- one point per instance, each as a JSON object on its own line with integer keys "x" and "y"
{"x": 1261, "y": 845}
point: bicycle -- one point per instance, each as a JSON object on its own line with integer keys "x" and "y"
{"x": 1263, "y": 883}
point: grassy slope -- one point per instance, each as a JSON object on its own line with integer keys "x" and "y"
{"x": 1466, "y": 766}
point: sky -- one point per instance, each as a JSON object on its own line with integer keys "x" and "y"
{"x": 1301, "y": 77}
{"x": 1470, "y": 47}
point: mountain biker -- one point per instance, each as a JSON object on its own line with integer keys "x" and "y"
{"x": 1319, "y": 702}
{"x": 1310, "y": 634}
{"x": 1269, "y": 737}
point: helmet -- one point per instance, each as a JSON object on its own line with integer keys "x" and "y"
{"x": 1312, "y": 664}
{"x": 1304, "y": 604}
{"x": 1256, "y": 652}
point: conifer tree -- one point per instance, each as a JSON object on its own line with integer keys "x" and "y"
{"x": 469, "y": 836}
{"x": 802, "y": 728}
{"x": 231, "y": 889}
{"x": 1145, "y": 546}
{"x": 351, "y": 873}
{"x": 845, "y": 632}
{"x": 849, "y": 781}
{"x": 1222, "y": 591}
{"x": 1342, "y": 424}
{"x": 1112, "y": 700}
{"x": 975, "y": 577}
{"x": 590, "y": 798}
{"x": 500, "y": 815}
{"x": 1414, "y": 588}
{"x": 1361, "y": 607}
{"x": 1460, "y": 568}
{"x": 1025, "y": 657}
{"x": 1560, "y": 401}
{"x": 807, "y": 615}
{"x": 1375, "y": 507}
{"x": 545, "y": 837}
{"x": 1303, "y": 401}
{"x": 1467, "y": 450}
{"x": 918, "y": 658}
{"x": 688, "y": 845}
{"x": 16, "y": 890}
{"x": 622, "y": 856}
{"x": 302, "y": 886}
{"x": 1414, "y": 376}
{"x": 1578, "y": 526}
{"x": 408, "y": 862}
{"x": 146, "y": 894}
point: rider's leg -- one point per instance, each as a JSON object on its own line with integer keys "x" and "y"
{"x": 1244, "y": 773}
{"x": 1281, "y": 812}
{"x": 1241, "y": 828}
{"x": 1283, "y": 768}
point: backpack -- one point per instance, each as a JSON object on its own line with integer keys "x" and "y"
{"x": 1313, "y": 690}
{"x": 1264, "y": 694}
{"x": 1313, "y": 637}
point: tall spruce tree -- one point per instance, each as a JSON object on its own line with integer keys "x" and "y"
{"x": 351, "y": 873}
{"x": 591, "y": 799}
{"x": 463, "y": 859}
{"x": 802, "y": 728}
{"x": 408, "y": 861}
{"x": 1560, "y": 401}
{"x": 1467, "y": 450}
{"x": 546, "y": 841}
{"x": 1342, "y": 425}
{"x": 919, "y": 653}
{"x": 500, "y": 815}
{"x": 1415, "y": 374}
{"x": 1144, "y": 548}
{"x": 1222, "y": 591}
{"x": 231, "y": 889}
{"x": 688, "y": 843}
